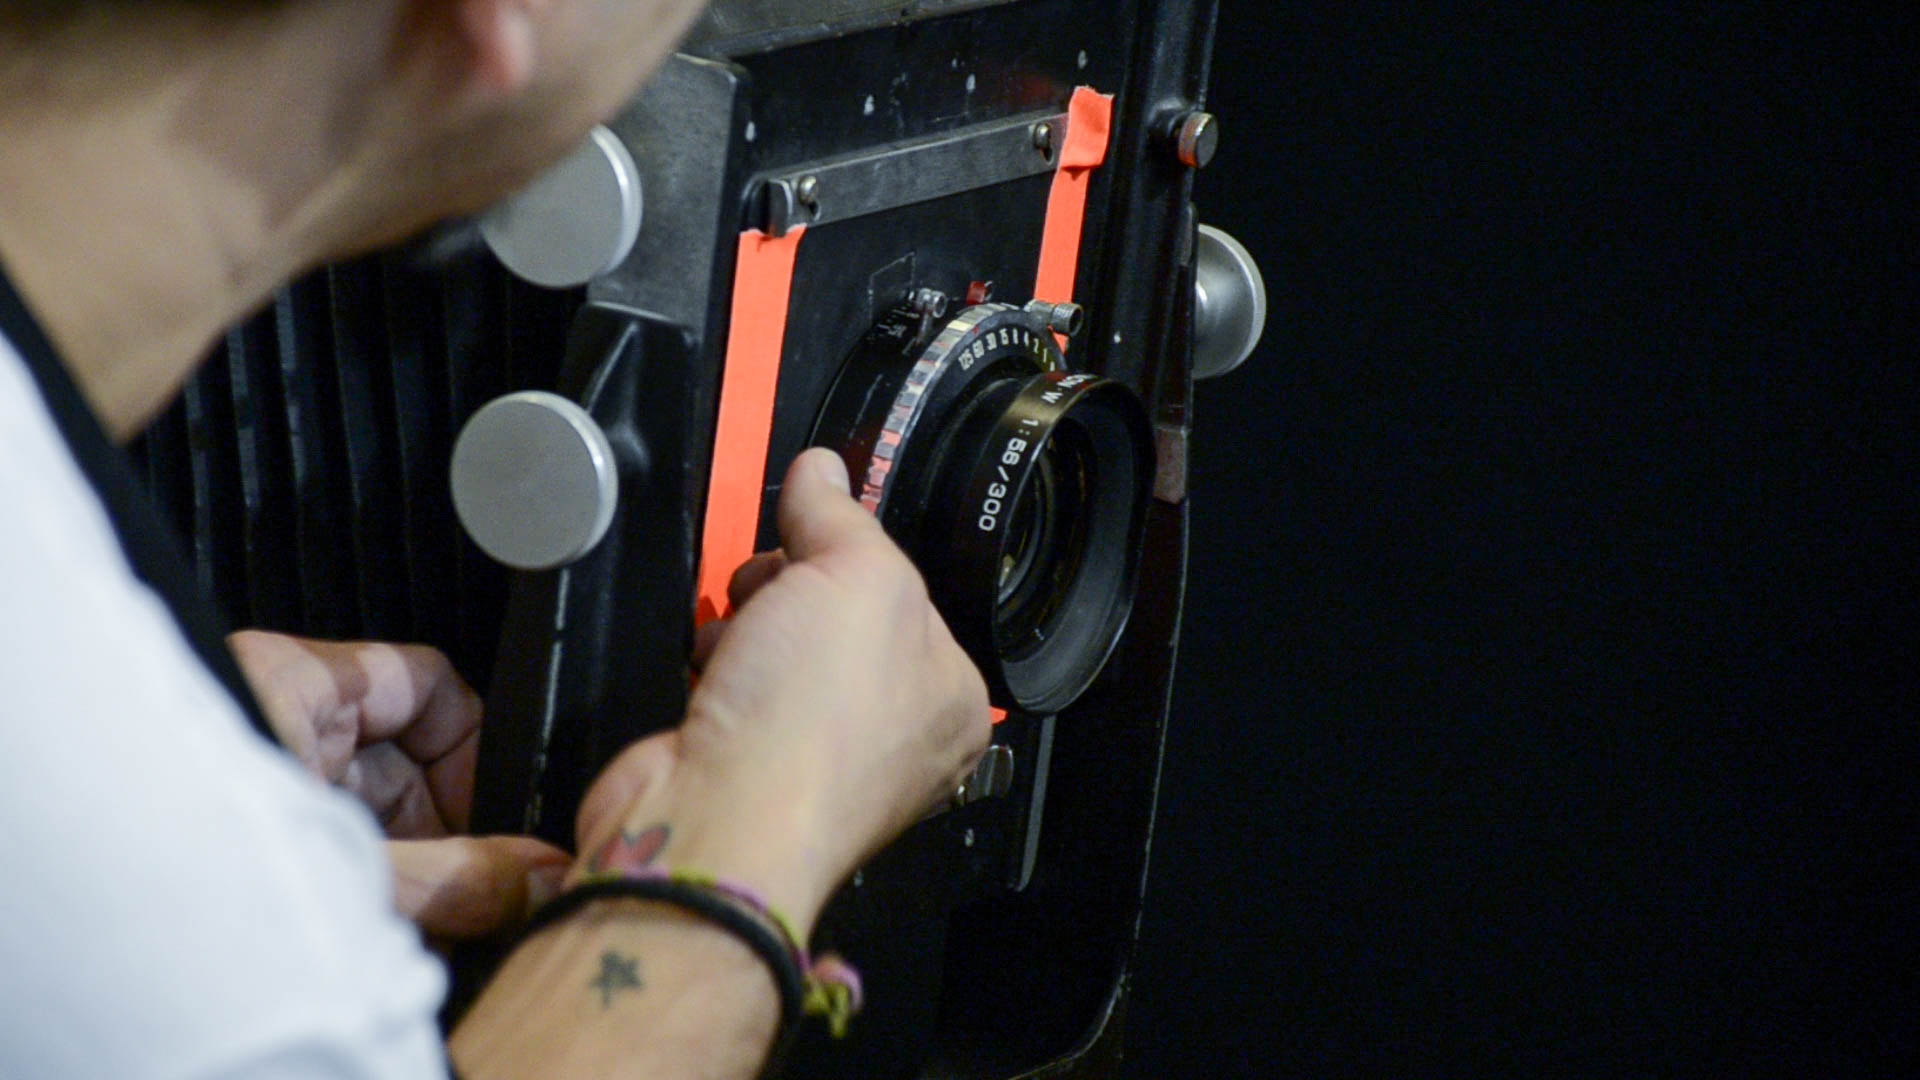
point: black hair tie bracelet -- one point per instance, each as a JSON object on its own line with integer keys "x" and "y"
{"x": 824, "y": 986}
{"x": 765, "y": 942}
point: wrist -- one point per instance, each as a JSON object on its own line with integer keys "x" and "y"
{"x": 681, "y": 825}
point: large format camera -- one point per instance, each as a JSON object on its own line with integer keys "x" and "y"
{"x": 955, "y": 245}
{"x": 951, "y": 239}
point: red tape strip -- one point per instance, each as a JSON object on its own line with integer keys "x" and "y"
{"x": 1089, "y": 129}
{"x": 762, "y": 287}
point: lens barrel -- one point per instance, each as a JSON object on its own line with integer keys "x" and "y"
{"x": 1019, "y": 489}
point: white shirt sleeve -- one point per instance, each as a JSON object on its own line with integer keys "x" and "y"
{"x": 177, "y": 898}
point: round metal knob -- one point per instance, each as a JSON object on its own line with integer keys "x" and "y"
{"x": 1230, "y": 304}
{"x": 534, "y": 480}
{"x": 576, "y": 222}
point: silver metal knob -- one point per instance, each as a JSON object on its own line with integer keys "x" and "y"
{"x": 577, "y": 221}
{"x": 534, "y": 480}
{"x": 1068, "y": 318}
{"x": 1197, "y": 139}
{"x": 1230, "y": 304}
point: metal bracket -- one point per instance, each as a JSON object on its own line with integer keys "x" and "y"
{"x": 906, "y": 173}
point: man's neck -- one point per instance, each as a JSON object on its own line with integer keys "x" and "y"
{"x": 142, "y": 224}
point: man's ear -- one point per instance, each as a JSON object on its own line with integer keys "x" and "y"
{"x": 501, "y": 41}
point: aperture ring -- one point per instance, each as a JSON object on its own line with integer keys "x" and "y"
{"x": 975, "y": 339}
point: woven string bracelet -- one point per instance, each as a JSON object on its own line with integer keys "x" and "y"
{"x": 832, "y": 988}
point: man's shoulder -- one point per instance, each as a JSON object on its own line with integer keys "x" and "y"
{"x": 195, "y": 902}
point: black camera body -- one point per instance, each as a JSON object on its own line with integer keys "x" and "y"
{"x": 863, "y": 213}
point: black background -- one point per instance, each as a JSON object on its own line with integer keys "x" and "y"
{"x": 1547, "y": 693}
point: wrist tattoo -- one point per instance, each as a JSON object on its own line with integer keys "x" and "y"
{"x": 617, "y": 972}
{"x": 631, "y": 850}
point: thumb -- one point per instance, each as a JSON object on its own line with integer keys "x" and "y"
{"x": 472, "y": 886}
{"x": 816, "y": 513}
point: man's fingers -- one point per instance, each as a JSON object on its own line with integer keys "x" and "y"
{"x": 816, "y": 514}
{"x": 706, "y": 639}
{"x": 471, "y": 886}
{"x": 450, "y": 781}
{"x": 396, "y": 789}
{"x": 746, "y": 581}
{"x": 411, "y": 695}
{"x": 752, "y": 574}
{"x": 298, "y": 692}
{"x": 331, "y": 702}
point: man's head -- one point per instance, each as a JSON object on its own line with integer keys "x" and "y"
{"x": 459, "y": 100}
{"x": 231, "y": 144}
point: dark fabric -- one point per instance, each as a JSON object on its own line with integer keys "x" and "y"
{"x": 150, "y": 546}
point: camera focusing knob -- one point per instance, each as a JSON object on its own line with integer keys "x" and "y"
{"x": 534, "y": 480}
{"x": 1229, "y": 304}
{"x": 578, "y": 220}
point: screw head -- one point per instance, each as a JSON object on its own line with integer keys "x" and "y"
{"x": 1197, "y": 139}
{"x": 808, "y": 190}
{"x": 1043, "y": 138}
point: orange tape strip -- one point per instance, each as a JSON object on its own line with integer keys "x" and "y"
{"x": 1089, "y": 129}
{"x": 762, "y": 287}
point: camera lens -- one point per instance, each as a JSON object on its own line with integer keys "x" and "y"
{"x": 1019, "y": 489}
{"x": 1046, "y": 543}
{"x": 1033, "y": 518}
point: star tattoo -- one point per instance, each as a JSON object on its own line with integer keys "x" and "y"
{"x": 617, "y": 973}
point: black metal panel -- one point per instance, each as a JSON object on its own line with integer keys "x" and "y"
{"x": 907, "y": 81}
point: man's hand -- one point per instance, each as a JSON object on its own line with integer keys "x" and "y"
{"x": 398, "y": 728}
{"x": 834, "y": 709}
